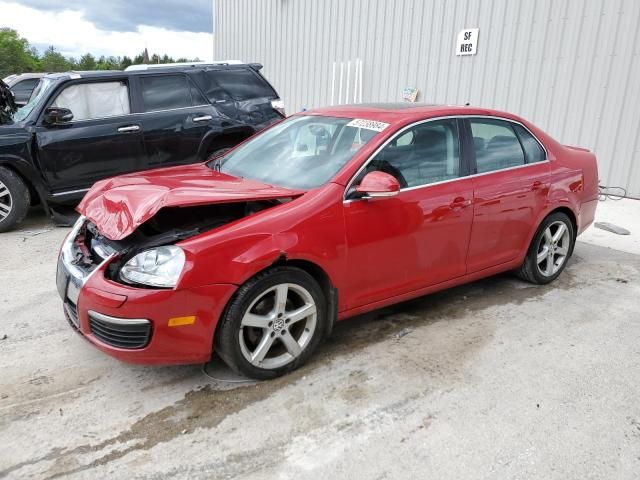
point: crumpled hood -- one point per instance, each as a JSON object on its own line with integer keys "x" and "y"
{"x": 119, "y": 205}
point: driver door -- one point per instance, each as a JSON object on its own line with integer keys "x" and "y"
{"x": 419, "y": 237}
{"x": 102, "y": 140}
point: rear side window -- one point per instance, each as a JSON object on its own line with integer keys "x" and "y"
{"x": 532, "y": 148}
{"x": 95, "y": 100}
{"x": 240, "y": 84}
{"x": 167, "y": 92}
{"x": 496, "y": 145}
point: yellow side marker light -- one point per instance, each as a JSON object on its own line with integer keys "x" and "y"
{"x": 179, "y": 321}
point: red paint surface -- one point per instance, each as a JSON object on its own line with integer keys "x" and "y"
{"x": 375, "y": 252}
{"x": 378, "y": 182}
{"x": 119, "y": 205}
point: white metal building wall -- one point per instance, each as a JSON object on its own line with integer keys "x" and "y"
{"x": 572, "y": 67}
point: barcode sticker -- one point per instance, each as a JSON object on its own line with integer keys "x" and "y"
{"x": 368, "y": 124}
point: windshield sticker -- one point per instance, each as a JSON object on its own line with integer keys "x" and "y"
{"x": 368, "y": 124}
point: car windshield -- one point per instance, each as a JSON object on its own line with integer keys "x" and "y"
{"x": 40, "y": 91}
{"x": 302, "y": 152}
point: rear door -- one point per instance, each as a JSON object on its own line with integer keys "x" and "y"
{"x": 103, "y": 139}
{"x": 510, "y": 190}
{"x": 176, "y": 116}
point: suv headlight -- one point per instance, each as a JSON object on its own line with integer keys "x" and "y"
{"x": 157, "y": 267}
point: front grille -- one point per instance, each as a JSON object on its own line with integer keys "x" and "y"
{"x": 121, "y": 333}
{"x": 72, "y": 314}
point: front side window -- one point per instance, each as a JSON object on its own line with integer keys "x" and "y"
{"x": 426, "y": 153}
{"x": 95, "y": 100}
{"x": 167, "y": 92}
{"x": 301, "y": 152}
{"x": 495, "y": 145}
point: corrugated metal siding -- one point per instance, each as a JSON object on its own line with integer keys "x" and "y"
{"x": 572, "y": 67}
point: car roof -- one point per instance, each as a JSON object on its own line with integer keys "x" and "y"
{"x": 152, "y": 71}
{"x": 23, "y": 76}
{"x": 406, "y": 112}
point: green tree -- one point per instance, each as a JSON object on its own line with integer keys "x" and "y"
{"x": 87, "y": 62}
{"x": 125, "y": 62}
{"x": 16, "y": 55}
{"x": 54, "y": 61}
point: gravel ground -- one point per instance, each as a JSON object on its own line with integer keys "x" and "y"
{"x": 496, "y": 379}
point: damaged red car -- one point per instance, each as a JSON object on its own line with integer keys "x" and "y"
{"x": 255, "y": 254}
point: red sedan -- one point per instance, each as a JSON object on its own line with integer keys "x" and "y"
{"x": 326, "y": 215}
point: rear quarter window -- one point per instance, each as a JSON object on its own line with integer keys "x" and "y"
{"x": 239, "y": 84}
{"x": 532, "y": 148}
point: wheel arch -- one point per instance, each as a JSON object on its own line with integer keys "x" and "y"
{"x": 562, "y": 208}
{"x": 569, "y": 213}
{"x": 316, "y": 272}
{"x": 34, "y": 192}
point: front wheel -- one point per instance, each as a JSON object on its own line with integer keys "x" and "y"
{"x": 550, "y": 249}
{"x": 14, "y": 199}
{"x": 273, "y": 324}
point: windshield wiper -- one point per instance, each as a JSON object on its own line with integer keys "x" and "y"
{"x": 216, "y": 163}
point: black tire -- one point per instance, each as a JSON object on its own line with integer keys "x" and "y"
{"x": 228, "y": 344}
{"x": 530, "y": 269}
{"x": 14, "y": 195}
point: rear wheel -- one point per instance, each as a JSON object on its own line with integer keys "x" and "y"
{"x": 273, "y": 323}
{"x": 550, "y": 249}
{"x": 14, "y": 199}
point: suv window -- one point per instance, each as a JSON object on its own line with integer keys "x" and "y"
{"x": 532, "y": 148}
{"x": 240, "y": 84}
{"x": 95, "y": 100}
{"x": 424, "y": 154}
{"x": 167, "y": 92}
{"x": 496, "y": 145}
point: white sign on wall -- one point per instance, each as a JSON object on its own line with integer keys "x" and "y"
{"x": 467, "y": 43}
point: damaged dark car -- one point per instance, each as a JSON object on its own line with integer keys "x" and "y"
{"x": 82, "y": 127}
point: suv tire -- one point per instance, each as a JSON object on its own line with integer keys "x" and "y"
{"x": 14, "y": 199}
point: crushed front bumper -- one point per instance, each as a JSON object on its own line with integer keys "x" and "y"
{"x": 132, "y": 324}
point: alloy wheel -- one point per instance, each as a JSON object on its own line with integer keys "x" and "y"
{"x": 553, "y": 248}
{"x": 6, "y": 202}
{"x": 278, "y": 325}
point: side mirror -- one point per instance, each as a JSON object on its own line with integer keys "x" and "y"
{"x": 57, "y": 115}
{"x": 378, "y": 185}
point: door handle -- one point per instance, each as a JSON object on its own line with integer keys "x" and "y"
{"x": 537, "y": 185}
{"x": 460, "y": 202}
{"x": 130, "y": 128}
{"x": 203, "y": 118}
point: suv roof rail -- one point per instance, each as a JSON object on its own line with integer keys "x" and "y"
{"x": 150, "y": 66}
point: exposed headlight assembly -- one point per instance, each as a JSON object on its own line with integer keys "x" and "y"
{"x": 157, "y": 267}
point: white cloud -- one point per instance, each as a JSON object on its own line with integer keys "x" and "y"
{"x": 73, "y": 35}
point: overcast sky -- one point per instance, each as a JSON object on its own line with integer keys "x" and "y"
{"x": 114, "y": 27}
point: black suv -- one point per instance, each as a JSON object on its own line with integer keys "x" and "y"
{"x": 82, "y": 127}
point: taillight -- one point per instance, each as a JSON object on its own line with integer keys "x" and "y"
{"x": 278, "y": 106}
